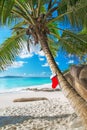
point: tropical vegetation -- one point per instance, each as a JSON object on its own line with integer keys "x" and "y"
{"x": 37, "y": 22}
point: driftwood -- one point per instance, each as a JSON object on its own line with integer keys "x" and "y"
{"x": 29, "y": 99}
{"x": 77, "y": 77}
{"x": 43, "y": 89}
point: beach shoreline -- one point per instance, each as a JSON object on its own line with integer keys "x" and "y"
{"x": 54, "y": 113}
{"x": 18, "y": 89}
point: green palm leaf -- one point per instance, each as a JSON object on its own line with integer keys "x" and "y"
{"x": 74, "y": 45}
{"x": 5, "y": 9}
{"x": 10, "y": 49}
{"x": 53, "y": 47}
{"x": 35, "y": 15}
{"x": 76, "y": 13}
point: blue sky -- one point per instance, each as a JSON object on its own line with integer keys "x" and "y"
{"x": 34, "y": 63}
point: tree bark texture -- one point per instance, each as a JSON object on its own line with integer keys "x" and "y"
{"x": 77, "y": 102}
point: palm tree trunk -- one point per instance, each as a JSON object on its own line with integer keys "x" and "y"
{"x": 77, "y": 102}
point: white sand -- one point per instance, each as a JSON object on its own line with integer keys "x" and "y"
{"x": 53, "y": 114}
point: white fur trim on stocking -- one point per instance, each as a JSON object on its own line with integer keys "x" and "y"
{"x": 53, "y": 75}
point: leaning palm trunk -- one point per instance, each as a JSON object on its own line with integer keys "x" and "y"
{"x": 77, "y": 102}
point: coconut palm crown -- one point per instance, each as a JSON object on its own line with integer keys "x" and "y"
{"x": 32, "y": 16}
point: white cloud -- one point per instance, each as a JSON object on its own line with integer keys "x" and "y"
{"x": 45, "y": 65}
{"x": 17, "y": 64}
{"x": 41, "y": 59}
{"x": 69, "y": 55}
{"x": 25, "y": 54}
{"x": 34, "y": 49}
{"x": 71, "y": 62}
{"x": 40, "y": 53}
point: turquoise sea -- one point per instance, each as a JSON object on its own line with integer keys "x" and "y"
{"x": 15, "y": 83}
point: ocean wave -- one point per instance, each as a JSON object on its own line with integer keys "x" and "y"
{"x": 20, "y": 89}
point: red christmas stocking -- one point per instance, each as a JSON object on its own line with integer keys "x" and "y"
{"x": 55, "y": 81}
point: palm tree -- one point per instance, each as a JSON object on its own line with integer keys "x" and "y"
{"x": 35, "y": 20}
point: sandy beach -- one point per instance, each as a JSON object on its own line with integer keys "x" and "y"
{"x": 52, "y": 113}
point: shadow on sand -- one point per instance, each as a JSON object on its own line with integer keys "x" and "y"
{"x": 6, "y": 120}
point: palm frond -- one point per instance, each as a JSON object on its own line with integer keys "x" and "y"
{"x": 5, "y": 9}
{"x": 22, "y": 8}
{"x": 70, "y": 33}
{"x": 73, "y": 45}
{"x": 78, "y": 13}
{"x": 50, "y": 4}
{"x": 84, "y": 31}
{"x": 20, "y": 15}
{"x": 10, "y": 49}
{"x": 53, "y": 47}
{"x": 39, "y": 7}
{"x": 28, "y": 12}
{"x": 19, "y": 27}
{"x": 53, "y": 31}
{"x": 20, "y": 24}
